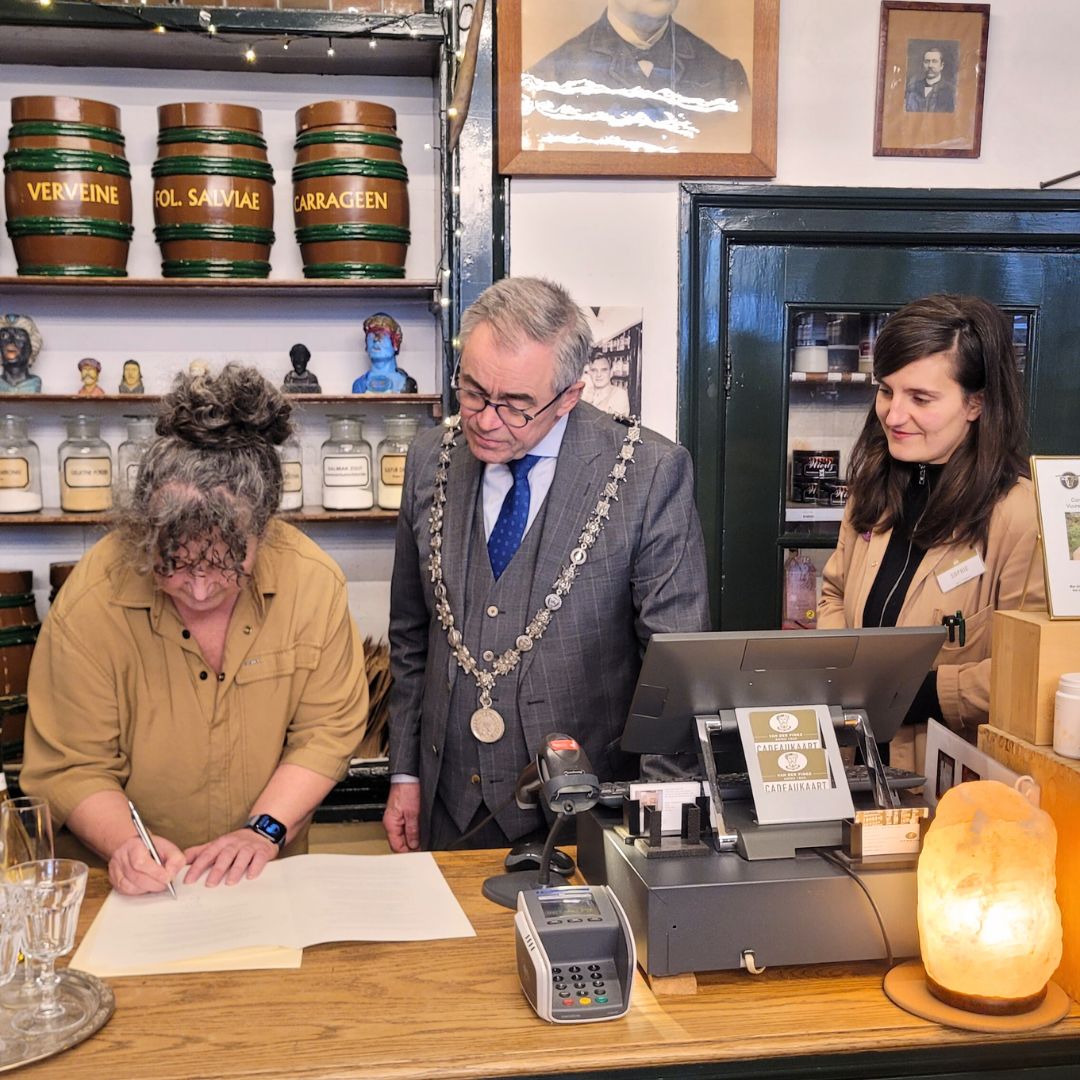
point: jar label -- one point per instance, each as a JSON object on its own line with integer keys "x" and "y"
{"x": 88, "y": 472}
{"x": 132, "y": 475}
{"x": 292, "y": 475}
{"x": 392, "y": 469}
{"x": 347, "y": 471}
{"x": 14, "y": 472}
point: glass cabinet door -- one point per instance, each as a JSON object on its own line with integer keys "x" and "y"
{"x": 831, "y": 390}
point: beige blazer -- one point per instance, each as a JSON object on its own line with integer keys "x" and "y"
{"x": 1013, "y": 578}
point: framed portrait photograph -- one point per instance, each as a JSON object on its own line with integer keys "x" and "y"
{"x": 931, "y": 74}
{"x": 1057, "y": 491}
{"x": 637, "y": 87}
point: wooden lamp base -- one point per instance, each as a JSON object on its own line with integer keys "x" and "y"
{"x": 905, "y": 986}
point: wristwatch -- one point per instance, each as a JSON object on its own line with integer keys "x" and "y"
{"x": 270, "y": 827}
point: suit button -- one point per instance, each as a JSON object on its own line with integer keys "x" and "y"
{"x": 492, "y": 611}
{"x": 488, "y": 655}
{"x": 475, "y": 778}
{"x": 203, "y": 675}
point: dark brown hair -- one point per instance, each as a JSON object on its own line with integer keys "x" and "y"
{"x": 993, "y": 455}
{"x": 212, "y": 474}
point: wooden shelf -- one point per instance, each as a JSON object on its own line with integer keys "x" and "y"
{"x": 801, "y": 512}
{"x": 224, "y": 288}
{"x": 74, "y": 32}
{"x": 432, "y": 403}
{"x": 308, "y": 515}
{"x": 853, "y": 377}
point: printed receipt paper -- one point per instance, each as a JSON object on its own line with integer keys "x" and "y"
{"x": 265, "y": 923}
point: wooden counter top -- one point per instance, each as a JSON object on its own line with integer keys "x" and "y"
{"x": 455, "y": 1009}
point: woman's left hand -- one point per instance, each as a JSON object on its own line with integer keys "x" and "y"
{"x": 236, "y": 855}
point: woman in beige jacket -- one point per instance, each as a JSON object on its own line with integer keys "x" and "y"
{"x": 941, "y": 526}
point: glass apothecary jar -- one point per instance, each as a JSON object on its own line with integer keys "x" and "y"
{"x": 292, "y": 474}
{"x": 346, "y": 467}
{"x": 140, "y": 431}
{"x": 85, "y": 467}
{"x": 400, "y": 432}
{"x": 20, "y": 468}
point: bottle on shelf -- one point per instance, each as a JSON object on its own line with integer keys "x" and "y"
{"x": 346, "y": 467}
{"x": 140, "y": 430}
{"x": 292, "y": 474}
{"x": 20, "y": 468}
{"x": 800, "y": 592}
{"x": 400, "y": 432}
{"x": 85, "y": 467}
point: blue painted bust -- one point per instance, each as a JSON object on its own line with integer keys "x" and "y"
{"x": 382, "y": 339}
{"x": 20, "y": 343}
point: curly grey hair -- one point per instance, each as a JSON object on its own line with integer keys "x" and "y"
{"x": 212, "y": 478}
{"x": 533, "y": 309}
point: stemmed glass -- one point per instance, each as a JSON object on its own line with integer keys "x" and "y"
{"x": 54, "y": 891}
{"x": 25, "y": 836}
{"x": 12, "y": 917}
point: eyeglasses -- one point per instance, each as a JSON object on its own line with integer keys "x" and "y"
{"x": 472, "y": 402}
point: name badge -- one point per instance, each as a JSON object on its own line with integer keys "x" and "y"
{"x": 961, "y": 572}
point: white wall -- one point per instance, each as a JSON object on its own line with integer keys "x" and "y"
{"x": 617, "y": 241}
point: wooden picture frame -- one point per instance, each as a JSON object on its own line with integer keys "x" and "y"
{"x": 575, "y": 100}
{"x": 931, "y": 75}
{"x": 1057, "y": 495}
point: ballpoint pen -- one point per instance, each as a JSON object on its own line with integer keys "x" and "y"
{"x": 144, "y": 836}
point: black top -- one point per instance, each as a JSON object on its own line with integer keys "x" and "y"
{"x": 901, "y": 560}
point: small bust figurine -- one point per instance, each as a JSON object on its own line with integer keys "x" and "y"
{"x": 90, "y": 372}
{"x": 131, "y": 381}
{"x": 198, "y": 367}
{"x": 20, "y": 343}
{"x": 382, "y": 339}
{"x": 300, "y": 380}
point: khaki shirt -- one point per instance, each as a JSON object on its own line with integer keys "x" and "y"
{"x": 121, "y": 698}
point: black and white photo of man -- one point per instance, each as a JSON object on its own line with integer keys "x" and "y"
{"x": 637, "y": 79}
{"x": 934, "y": 88}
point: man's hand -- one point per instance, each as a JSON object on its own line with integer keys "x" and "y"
{"x": 132, "y": 869}
{"x": 402, "y": 817}
{"x": 236, "y": 855}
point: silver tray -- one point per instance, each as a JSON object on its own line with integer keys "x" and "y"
{"x": 19, "y": 1050}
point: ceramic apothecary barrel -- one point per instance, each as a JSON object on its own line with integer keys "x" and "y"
{"x": 350, "y": 191}
{"x": 213, "y": 192}
{"x": 67, "y": 188}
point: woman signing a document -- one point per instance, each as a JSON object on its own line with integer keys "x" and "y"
{"x": 200, "y": 661}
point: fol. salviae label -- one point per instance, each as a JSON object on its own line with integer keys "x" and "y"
{"x": 234, "y": 198}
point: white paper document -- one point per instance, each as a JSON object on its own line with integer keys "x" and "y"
{"x": 266, "y": 922}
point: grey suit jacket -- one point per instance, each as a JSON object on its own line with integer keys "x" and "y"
{"x": 645, "y": 574}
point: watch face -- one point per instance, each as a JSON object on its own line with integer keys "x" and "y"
{"x": 269, "y": 827}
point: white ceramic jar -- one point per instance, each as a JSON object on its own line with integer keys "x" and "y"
{"x": 1067, "y": 716}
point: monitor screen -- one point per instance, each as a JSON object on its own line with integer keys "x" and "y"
{"x": 687, "y": 675}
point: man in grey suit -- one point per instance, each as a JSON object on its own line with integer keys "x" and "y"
{"x": 540, "y": 544}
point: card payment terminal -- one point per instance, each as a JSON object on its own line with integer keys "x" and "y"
{"x": 575, "y": 953}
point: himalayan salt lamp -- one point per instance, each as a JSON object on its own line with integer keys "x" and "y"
{"x": 989, "y": 924}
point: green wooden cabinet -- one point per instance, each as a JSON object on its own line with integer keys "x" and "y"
{"x": 754, "y": 257}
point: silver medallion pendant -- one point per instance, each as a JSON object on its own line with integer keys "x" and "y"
{"x": 487, "y": 725}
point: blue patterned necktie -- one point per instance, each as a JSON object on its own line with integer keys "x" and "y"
{"x": 505, "y": 538}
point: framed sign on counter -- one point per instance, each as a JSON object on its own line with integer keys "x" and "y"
{"x": 1057, "y": 491}
{"x": 612, "y": 88}
{"x": 931, "y": 75}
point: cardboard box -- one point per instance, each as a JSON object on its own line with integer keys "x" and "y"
{"x": 1030, "y": 653}
{"x": 1059, "y": 779}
